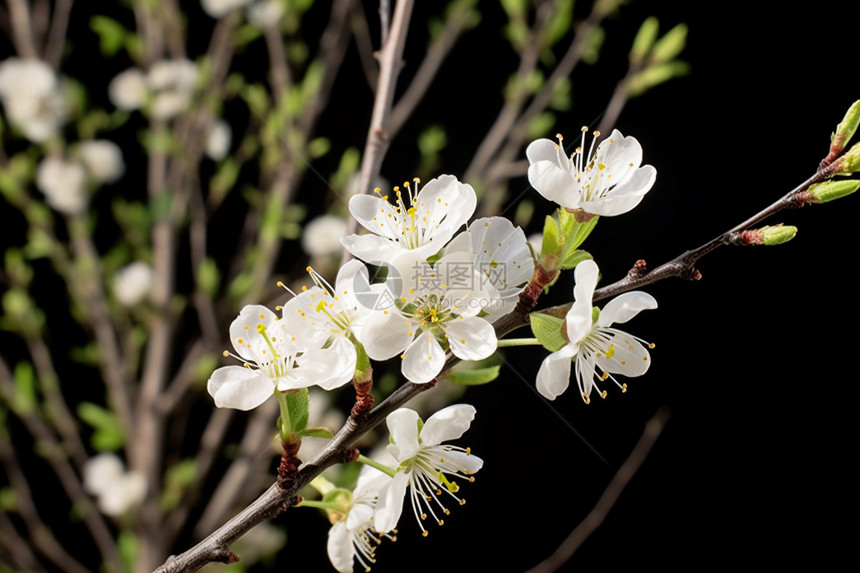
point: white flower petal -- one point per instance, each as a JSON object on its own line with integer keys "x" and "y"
{"x": 100, "y": 471}
{"x": 447, "y": 424}
{"x": 423, "y": 359}
{"x": 243, "y": 329}
{"x": 471, "y": 338}
{"x": 387, "y": 333}
{"x": 629, "y": 357}
{"x": 390, "y": 504}
{"x": 341, "y": 550}
{"x": 328, "y": 368}
{"x": 625, "y": 306}
{"x": 467, "y": 463}
{"x": 554, "y": 184}
{"x": 553, "y": 378}
{"x": 239, "y": 388}
{"x": 403, "y": 427}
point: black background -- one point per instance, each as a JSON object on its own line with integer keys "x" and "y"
{"x": 754, "y": 361}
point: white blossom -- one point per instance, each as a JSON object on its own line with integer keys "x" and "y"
{"x": 218, "y": 140}
{"x": 128, "y": 90}
{"x": 426, "y": 466}
{"x": 334, "y": 315}
{"x": 32, "y": 97}
{"x": 274, "y": 359}
{"x": 172, "y": 84}
{"x": 597, "y": 349}
{"x": 265, "y": 13}
{"x": 133, "y": 283}
{"x": 352, "y": 536}
{"x": 220, "y": 8}
{"x": 607, "y": 182}
{"x": 116, "y": 490}
{"x": 64, "y": 184}
{"x": 322, "y": 236}
{"x": 102, "y": 159}
{"x": 417, "y": 225}
{"x": 500, "y": 254}
{"x": 438, "y": 311}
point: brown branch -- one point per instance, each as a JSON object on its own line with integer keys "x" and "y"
{"x": 57, "y": 33}
{"x": 610, "y": 496}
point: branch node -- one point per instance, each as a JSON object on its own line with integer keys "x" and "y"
{"x": 289, "y": 466}
{"x": 691, "y": 274}
{"x": 639, "y": 269}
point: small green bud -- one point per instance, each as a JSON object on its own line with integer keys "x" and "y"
{"x": 669, "y": 46}
{"x": 644, "y": 39}
{"x": 769, "y": 235}
{"x": 830, "y": 190}
{"x": 846, "y": 128}
{"x": 850, "y": 162}
{"x": 778, "y": 234}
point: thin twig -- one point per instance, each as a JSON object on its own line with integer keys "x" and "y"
{"x": 22, "y": 29}
{"x": 604, "y": 505}
{"x": 57, "y": 33}
{"x": 390, "y": 62}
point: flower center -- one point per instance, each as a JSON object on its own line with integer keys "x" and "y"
{"x": 406, "y": 218}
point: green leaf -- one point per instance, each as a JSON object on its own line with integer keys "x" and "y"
{"x": 547, "y": 329}
{"x": 208, "y": 277}
{"x": 108, "y": 433}
{"x": 575, "y": 257}
{"x": 475, "y": 377}
{"x": 655, "y": 75}
{"x": 25, "y": 386}
{"x": 644, "y": 39}
{"x": 297, "y": 403}
{"x": 176, "y": 481}
{"x": 129, "y": 547}
{"x": 111, "y": 34}
{"x": 552, "y": 237}
{"x": 671, "y": 45}
{"x": 316, "y": 433}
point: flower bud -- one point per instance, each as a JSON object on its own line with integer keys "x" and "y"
{"x": 830, "y": 190}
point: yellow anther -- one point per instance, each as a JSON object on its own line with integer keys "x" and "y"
{"x": 624, "y": 388}
{"x": 280, "y": 284}
{"x": 225, "y": 354}
{"x": 447, "y": 511}
{"x": 304, "y": 288}
{"x": 652, "y": 345}
{"x": 596, "y": 133}
{"x": 424, "y": 533}
{"x": 462, "y": 502}
{"x": 603, "y": 394}
{"x": 441, "y": 522}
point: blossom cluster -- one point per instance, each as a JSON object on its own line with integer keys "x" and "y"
{"x": 440, "y": 283}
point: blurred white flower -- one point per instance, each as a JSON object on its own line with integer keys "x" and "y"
{"x": 172, "y": 83}
{"x": 116, "y": 490}
{"x": 218, "y": 140}
{"x": 132, "y": 283}
{"x": 322, "y": 235}
{"x": 32, "y": 98}
{"x": 64, "y": 184}
{"x": 219, "y": 8}
{"x": 102, "y": 159}
{"x": 128, "y": 89}
{"x": 265, "y": 13}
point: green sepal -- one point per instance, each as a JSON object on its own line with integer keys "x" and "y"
{"x": 547, "y": 329}
{"x": 362, "y": 360}
{"x": 475, "y": 377}
{"x": 316, "y": 432}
